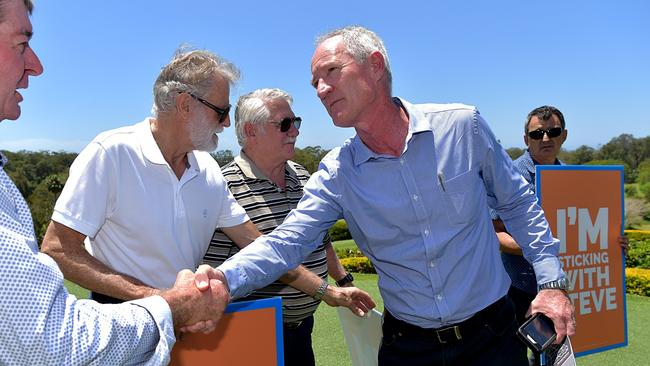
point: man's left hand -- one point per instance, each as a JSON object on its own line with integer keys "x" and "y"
{"x": 358, "y": 301}
{"x": 556, "y": 305}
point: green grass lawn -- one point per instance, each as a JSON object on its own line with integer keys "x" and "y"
{"x": 344, "y": 244}
{"x": 78, "y": 291}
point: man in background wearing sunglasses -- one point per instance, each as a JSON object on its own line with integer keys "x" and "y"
{"x": 544, "y": 133}
{"x": 267, "y": 184}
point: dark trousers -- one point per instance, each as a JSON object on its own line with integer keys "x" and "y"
{"x": 104, "y": 299}
{"x": 487, "y": 338}
{"x": 297, "y": 343}
{"x": 522, "y": 300}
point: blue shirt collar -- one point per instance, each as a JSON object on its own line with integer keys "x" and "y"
{"x": 417, "y": 123}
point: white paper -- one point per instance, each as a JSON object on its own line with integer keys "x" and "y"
{"x": 561, "y": 355}
{"x": 362, "y": 335}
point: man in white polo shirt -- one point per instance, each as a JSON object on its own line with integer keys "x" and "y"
{"x": 148, "y": 197}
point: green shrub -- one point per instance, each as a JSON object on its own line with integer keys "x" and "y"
{"x": 349, "y": 253}
{"x": 639, "y": 254}
{"x": 358, "y": 264}
{"x": 339, "y": 231}
{"x": 631, "y": 191}
{"x": 638, "y": 235}
{"x": 638, "y": 281}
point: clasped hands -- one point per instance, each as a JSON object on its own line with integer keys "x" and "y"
{"x": 208, "y": 295}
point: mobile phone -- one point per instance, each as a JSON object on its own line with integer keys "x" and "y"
{"x": 537, "y": 332}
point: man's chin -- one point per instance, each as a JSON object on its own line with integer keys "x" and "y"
{"x": 12, "y": 114}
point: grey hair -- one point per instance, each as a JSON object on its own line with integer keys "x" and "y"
{"x": 29, "y": 5}
{"x": 253, "y": 108}
{"x": 190, "y": 72}
{"x": 544, "y": 113}
{"x": 360, "y": 42}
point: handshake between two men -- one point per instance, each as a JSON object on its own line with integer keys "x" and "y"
{"x": 198, "y": 300}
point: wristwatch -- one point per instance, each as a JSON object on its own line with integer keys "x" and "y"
{"x": 561, "y": 284}
{"x": 345, "y": 280}
{"x": 320, "y": 292}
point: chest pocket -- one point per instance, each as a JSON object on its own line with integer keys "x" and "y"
{"x": 461, "y": 196}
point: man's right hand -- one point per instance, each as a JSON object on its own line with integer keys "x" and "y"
{"x": 196, "y": 310}
{"x": 205, "y": 273}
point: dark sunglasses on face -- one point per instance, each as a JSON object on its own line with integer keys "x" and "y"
{"x": 539, "y": 134}
{"x": 223, "y": 113}
{"x": 285, "y": 124}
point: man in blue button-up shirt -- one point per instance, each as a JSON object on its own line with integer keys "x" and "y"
{"x": 414, "y": 186}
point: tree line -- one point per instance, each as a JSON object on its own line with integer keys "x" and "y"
{"x": 40, "y": 175}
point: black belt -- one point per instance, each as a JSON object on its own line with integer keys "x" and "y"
{"x": 448, "y": 334}
{"x": 292, "y": 325}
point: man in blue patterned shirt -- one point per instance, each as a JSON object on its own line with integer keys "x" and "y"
{"x": 41, "y": 322}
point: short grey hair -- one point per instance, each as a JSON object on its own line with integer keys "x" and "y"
{"x": 253, "y": 108}
{"x": 360, "y": 42}
{"x": 191, "y": 71}
{"x": 28, "y": 4}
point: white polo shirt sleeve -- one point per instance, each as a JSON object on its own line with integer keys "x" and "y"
{"x": 88, "y": 196}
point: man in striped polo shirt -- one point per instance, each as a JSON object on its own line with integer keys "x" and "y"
{"x": 267, "y": 184}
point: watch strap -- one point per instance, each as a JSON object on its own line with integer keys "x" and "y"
{"x": 345, "y": 280}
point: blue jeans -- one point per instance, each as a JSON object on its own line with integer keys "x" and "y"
{"x": 487, "y": 338}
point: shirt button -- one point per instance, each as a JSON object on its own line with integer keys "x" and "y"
{"x": 401, "y": 161}
{"x": 415, "y": 197}
{"x": 426, "y": 232}
{"x": 432, "y": 264}
{"x": 439, "y": 297}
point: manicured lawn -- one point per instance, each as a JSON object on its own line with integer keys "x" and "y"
{"x": 78, "y": 291}
{"x": 344, "y": 244}
{"x": 327, "y": 338}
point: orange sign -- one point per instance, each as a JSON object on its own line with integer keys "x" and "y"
{"x": 248, "y": 334}
{"x": 584, "y": 206}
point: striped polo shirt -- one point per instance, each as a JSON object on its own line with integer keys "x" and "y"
{"x": 267, "y": 206}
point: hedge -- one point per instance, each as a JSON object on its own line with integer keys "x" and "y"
{"x": 358, "y": 264}
{"x": 339, "y": 231}
{"x": 642, "y": 235}
{"x": 638, "y": 255}
{"x": 348, "y": 253}
{"x": 638, "y": 281}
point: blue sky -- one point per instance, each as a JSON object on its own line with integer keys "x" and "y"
{"x": 589, "y": 58}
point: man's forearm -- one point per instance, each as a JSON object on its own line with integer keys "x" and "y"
{"x": 65, "y": 246}
{"x": 302, "y": 279}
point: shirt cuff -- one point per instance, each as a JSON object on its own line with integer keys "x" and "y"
{"x": 236, "y": 278}
{"x": 162, "y": 316}
{"x": 548, "y": 270}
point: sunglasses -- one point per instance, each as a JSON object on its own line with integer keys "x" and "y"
{"x": 285, "y": 124}
{"x": 539, "y": 134}
{"x": 223, "y": 113}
